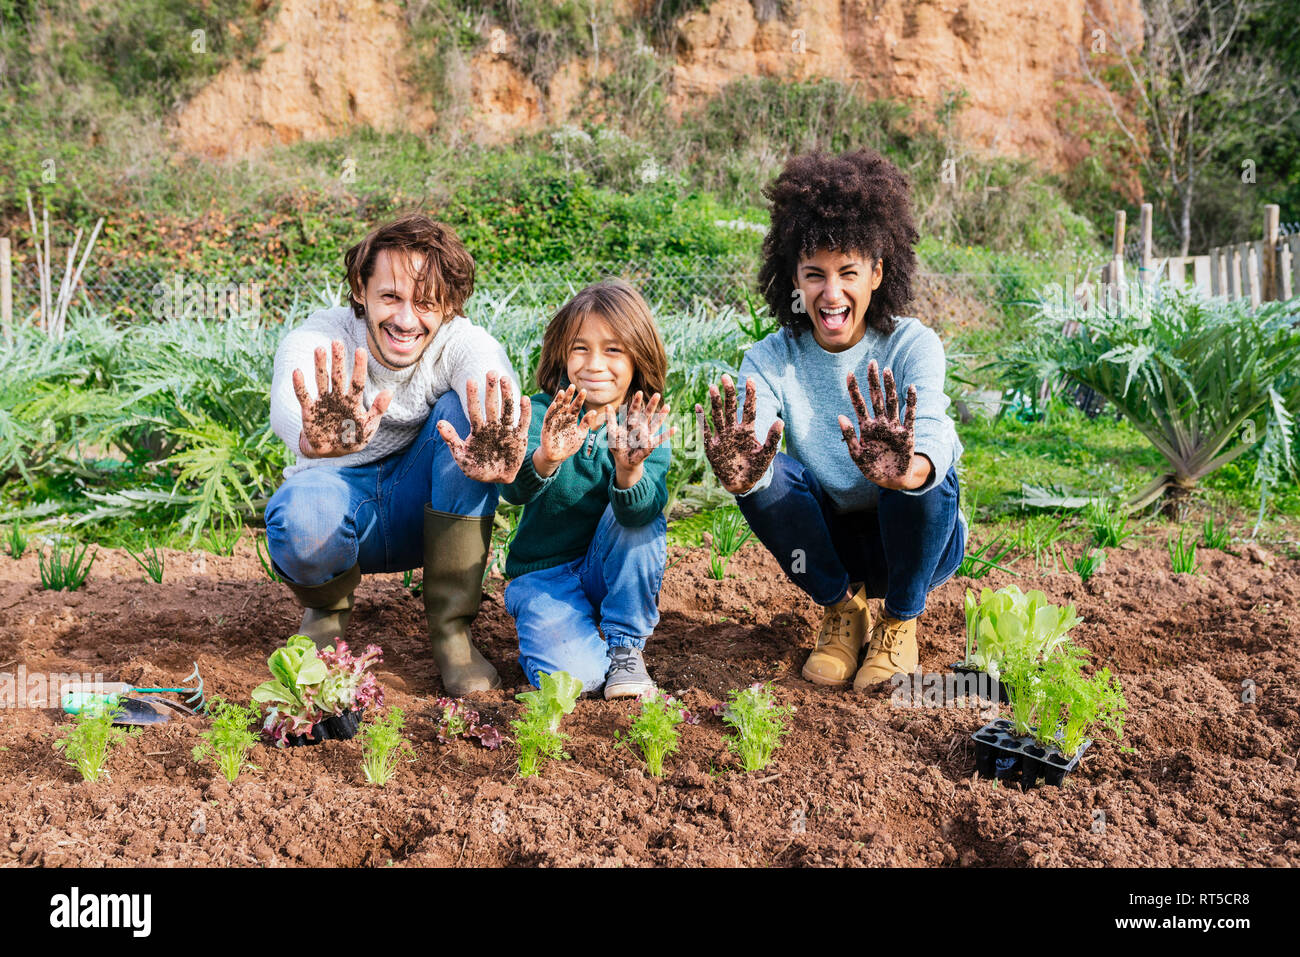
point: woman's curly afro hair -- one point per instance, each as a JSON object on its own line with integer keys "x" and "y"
{"x": 856, "y": 202}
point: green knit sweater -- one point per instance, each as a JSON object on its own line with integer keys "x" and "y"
{"x": 561, "y": 512}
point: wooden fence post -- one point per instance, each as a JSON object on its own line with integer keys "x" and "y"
{"x": 1144, "y": 250}
{"x": 1268, "y": 266}
{"x": 6, "y": 290}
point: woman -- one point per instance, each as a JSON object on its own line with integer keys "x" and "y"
{"x": 849, "y": 512}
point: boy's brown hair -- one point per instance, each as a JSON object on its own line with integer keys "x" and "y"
{"x": 445, "y": 279}
{"x": 628, "y": 315}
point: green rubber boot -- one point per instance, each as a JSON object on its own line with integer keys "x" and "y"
{"x": 455, "y": 555}
{"x": 327, "y": 606}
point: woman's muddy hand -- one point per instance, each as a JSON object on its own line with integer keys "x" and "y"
{"x": 737, "y": 458}
{"x": 494, "y": 448}
{"x": 882, "y": 447}
{"x": 337, "y": 422}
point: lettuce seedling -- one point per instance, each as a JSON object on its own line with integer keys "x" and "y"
{"x": 655, "y": 730}
{"x": 308, "y": 685}
{"x": 230, "y": 738}
{"x": 537, "y": 732}
{"x": 87, "y": 742}
{"x": 1009, "y": 622}
{"x": 758, "y": 723}
{"x": 459, "y": 721}
{"x": 384, "y": 746}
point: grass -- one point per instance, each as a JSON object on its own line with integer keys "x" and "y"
{"x": 151, "y": 562}
{"x": 1182, "y": 555}
{"x": 65, "y": 570}
{"x": 1109, "y": 525}
{"x": 15, "y": 540}
{"x": 1215, "y": 537}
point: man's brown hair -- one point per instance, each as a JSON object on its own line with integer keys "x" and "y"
{"x": 445, "y": 279}
{"x": 627, "y": 314}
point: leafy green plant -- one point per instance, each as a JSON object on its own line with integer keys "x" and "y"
{"x": 537, "y": 731}
{"x": 992, "y": 554}
{"x": 264, "y": 558}
{"x": 308, "y": 685}
{"x": 1091, "y": 702}
{"x": 728, "y": 532}
{"x": 1009, "y": 623}
{"x": 1088, "y": 564}
{"x": 654, "y": 730}
{"x": 383, "y": 746}
{"x": 459, "y": 721}
{"x": 65, "y": 571}
{"x": 1182, "y": 555}
{"x": 1109, "y": 525}
{"x": 87, "y": 742}
{"x": 15, "y": 540}
{"x": 1213, "y": 537}
{"x": 758, "y": 723}
{"x": 230, "y": 738}
{"x": 152, "y": 563}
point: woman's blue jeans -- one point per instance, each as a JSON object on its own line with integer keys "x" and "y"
{"x": 903, "y": 550}
{"x": 561, "y": 611}
{"x": 325, "y": 519}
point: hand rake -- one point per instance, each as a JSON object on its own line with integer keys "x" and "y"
{"x": 136, "y": 705}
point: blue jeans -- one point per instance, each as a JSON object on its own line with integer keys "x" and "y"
{"x": 327, "y": 518}
{"x": 903, "y": 550}
{"x": 561, "y": 611}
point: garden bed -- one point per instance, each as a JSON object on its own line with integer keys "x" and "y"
{"x": 1211, "y": 779}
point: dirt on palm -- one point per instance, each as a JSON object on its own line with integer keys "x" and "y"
{"x": 1210, "y": 665}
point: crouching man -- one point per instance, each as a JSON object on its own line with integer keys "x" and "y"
{"x": 358, "y": 392}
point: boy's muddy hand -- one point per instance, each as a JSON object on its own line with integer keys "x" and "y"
{"x": 638, "y": 435}
{"x": 336, "y": 422}
{"x": 565, "y": 427}
{"x": 494, "y": 449}
{"x": 882, "y": 447}
{"x": 737, "y": 458}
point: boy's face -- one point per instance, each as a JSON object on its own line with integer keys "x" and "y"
{"x": 599, "y": 363}
{"x": 398, "y": 330}
{"x": 836, "y": 288}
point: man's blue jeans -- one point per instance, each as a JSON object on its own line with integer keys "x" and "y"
{"x": 325, "y": 519}
{"x": 903, "y": 550}
{"x": 561, "y": 611}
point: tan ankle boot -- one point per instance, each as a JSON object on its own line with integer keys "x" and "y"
{"x": 839, "y": 642}
{"x": 328, "y": 606}
{"x": 455, "y": 555}
{"x": 891, "y": 651}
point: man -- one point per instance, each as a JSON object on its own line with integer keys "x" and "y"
{"x": 374, "y": 488}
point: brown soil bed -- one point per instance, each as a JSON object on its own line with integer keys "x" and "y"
{"x": 1204, "y": 777}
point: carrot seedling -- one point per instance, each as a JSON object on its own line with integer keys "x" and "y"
{"x": 537, "y": 731}
{"x": 230, "y": 738}
{"x": 758, "y": 722}
{"x": 88, "y": 740}
{"x": 655, "y": 730}
{"x": 384, "y": 746}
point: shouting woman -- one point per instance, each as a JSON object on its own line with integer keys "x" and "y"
{"x": 861, "y": 507}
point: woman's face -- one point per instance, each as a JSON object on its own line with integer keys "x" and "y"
{"x": 835, "y": 289}
{"x": 599, "y": 363}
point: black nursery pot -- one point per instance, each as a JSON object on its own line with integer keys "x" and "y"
{"x": 338, "y": 727}
{"x": 982, "y": 677}
{"x": 1002, "y": 754}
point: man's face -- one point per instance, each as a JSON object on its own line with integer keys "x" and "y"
{"x": 836, "y": 288}
{"x": 398, "y": 329}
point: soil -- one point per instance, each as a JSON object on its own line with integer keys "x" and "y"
{"x": 1202, "y": 777}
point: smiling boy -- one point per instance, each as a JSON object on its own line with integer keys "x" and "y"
{"x": 374, "y": 489}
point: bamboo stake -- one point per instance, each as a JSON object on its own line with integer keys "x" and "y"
{"x": 6, "y": 290}
{"x": 48, "y": 284}
{"x": 56, "y": 330}
{"x": 40, "y": 271}
{"x": 76, "y": 278}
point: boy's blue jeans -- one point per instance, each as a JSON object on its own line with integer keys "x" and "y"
{"x": 325, "y": 519}
{"x": 903, "y": 550}
{"x": 561, "y": 611}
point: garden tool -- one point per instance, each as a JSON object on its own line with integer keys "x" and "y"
{"x": 79, "y": 694}
{"x": 127, "y": 710}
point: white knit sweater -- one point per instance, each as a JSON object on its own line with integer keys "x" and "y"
{"x": 460, "y": 350}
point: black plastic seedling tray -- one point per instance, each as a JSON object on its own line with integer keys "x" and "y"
{"x": 1002, "y": 754}
{"x": 965, "y": 669}
{"x": 338, "y": 727}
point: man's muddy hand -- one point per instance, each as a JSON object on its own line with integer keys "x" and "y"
{"x": 494, "y": 448}
{"x": 337, "y": 422}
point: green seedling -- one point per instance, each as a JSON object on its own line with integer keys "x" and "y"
{"x": 1009, "y": 623}
{"x": 729, "y": 531}
{"x": 758, "y": 722}
{"x": 15, "y": 541}
{"x": 230, "y": 738}
{"x": 1182, "y": 556}
{"x": 222, "y": 539}
{"x": 1039, "y": 537}
{"x": 65, "y": 571}
{"x": 152, "y": 563}
{"x": 88, "y": 740}
{"x": 384, "y": 746}
{"x": 1109, "y": 525}
{"x": 264, "y": 557}
{"x": 537, "y": 731}
{"x": 992, "y": 554}
{"x": 1085, "y": 566}
{"x": 410, "y": 584}
{"x": 1216, "y": 538}
{"x": 655, "y": 730}
{"x": 1092, "y": 702}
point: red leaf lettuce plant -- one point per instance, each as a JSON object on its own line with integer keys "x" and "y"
{"x": 308, "y": 686}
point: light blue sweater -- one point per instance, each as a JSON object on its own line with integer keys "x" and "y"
{"x": 804, "y": 385}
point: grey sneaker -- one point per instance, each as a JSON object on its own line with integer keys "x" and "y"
{"x": 626, "y": 677}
